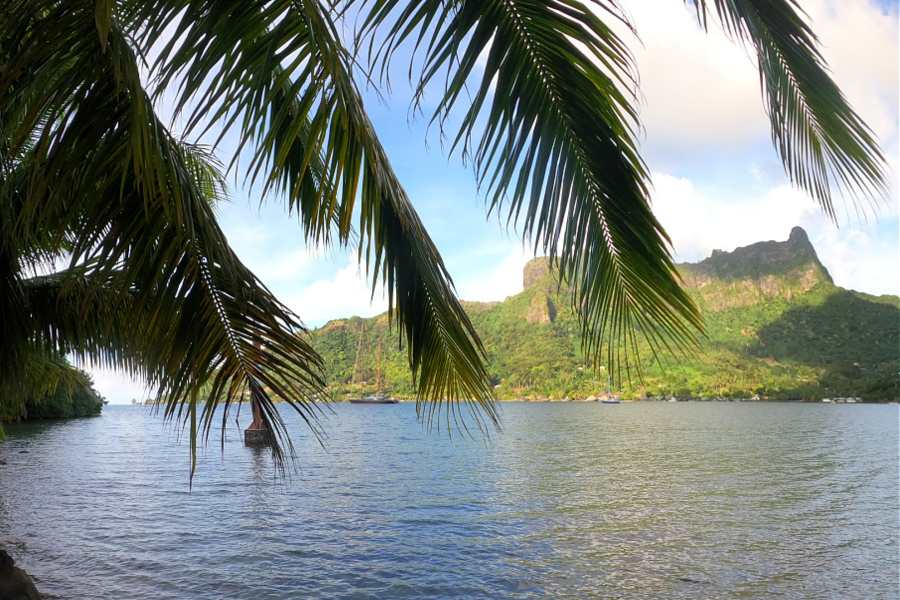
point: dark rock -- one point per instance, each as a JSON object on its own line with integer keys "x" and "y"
{"x": 798, "y": 237}
{"x": 15, "y": 584}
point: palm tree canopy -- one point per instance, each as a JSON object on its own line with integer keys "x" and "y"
{"x": 92, "y": 173}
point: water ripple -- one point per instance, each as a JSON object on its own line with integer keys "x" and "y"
{"x": 568, "y": 501}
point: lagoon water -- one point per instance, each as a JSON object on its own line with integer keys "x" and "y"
{"x": 641, "y": 500}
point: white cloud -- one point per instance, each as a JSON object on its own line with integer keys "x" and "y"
{"x": 344, "y": 295}
{"x": 503, "y": 280}
{"x": 699, "y": 220}
{"x": 859, "y": 260}
{"x": 701, "y": 90}
{"x": 860, "y": 44}
{"x": 116, "y": 386}
{"x": 284, "y": 266}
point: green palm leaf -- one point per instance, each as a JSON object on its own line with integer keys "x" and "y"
{"x": 825, "y": 146}
{"x": 299, "y": 105}
{"x": 556, "y": 152}
{"x": 153, "y": 286}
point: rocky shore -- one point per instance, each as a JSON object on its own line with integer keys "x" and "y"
{"x": 15, "y": 584}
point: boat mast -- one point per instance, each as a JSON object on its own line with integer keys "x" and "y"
{"x": 361, "y": 355}
{"x": 608, "y": 381}
{"x": 378, "y": 371}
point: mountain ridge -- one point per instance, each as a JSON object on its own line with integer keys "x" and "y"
{"x": 777, "y": 327}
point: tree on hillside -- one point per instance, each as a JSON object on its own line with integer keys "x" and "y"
{"x": 92, "y": 177}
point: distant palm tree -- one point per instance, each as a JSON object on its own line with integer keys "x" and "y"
{"x": 91, "y": 175}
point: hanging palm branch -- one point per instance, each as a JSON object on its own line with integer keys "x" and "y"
{"x": 825, "y": 147}
{"x": 546, "y": 89}
{"x": 153, "y": 286}
{"x": 297, "y": 43}
{"x": 556, "y": 152}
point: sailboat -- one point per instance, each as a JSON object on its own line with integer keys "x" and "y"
{"x": 377, "y": 397}
{"x": 610, "y": 399}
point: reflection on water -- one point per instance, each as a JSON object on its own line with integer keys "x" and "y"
{"x": 568, "y": 501}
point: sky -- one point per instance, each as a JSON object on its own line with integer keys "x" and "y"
{"x": 717, "y": 181}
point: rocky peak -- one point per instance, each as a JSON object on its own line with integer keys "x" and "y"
{"x": 798, "y": 237}
{"x": 745, "y": 276}
{"x": 535, "y": 270}
{"x": 763, "y": 270}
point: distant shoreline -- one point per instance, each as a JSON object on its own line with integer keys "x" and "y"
{"x": 545, "y": 399}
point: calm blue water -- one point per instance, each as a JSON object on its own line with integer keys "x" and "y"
{"x": 635, "y": 500}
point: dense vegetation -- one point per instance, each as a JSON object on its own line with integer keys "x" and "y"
{"x": 65, "y": 403}
{"x": 777, "y": 328}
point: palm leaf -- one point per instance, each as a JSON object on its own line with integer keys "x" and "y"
{"x": 824, "y": 145}
{"x": 284, "y": 82}
{"x": 556, "y": 152}
{"x": 153, "y": 286}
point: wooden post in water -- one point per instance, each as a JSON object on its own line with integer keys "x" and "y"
{"x": 257, "y": 434}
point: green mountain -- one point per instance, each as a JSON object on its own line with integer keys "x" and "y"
{"x": 777, "y": 328}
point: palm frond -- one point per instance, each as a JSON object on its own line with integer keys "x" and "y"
{"x": 556, "y": 151}
{"x": 825, "y": 147}
{"x": 309, "y": 110}
{"x": 153, "y": 285}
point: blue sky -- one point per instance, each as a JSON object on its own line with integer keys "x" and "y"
{"x": 717, "y": 181}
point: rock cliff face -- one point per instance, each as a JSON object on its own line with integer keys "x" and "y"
{"x": 542, "y": 310}
{"x": 535, "y": 277}
{"x": 756, "y": 273}
{"x": 535, "y": 270}
{"x": 747, "y": 276}
{"x": 743, "y": 277}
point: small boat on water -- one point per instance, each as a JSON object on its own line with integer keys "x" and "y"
{"x": 609, "y": 398}
{"x": 374, "y": 399}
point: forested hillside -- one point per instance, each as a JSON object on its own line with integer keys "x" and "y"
{"x": 777, "y": 328}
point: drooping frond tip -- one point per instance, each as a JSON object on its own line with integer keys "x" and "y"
{"x": 826, "y": 148}
{"x": 546, "y": 90}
